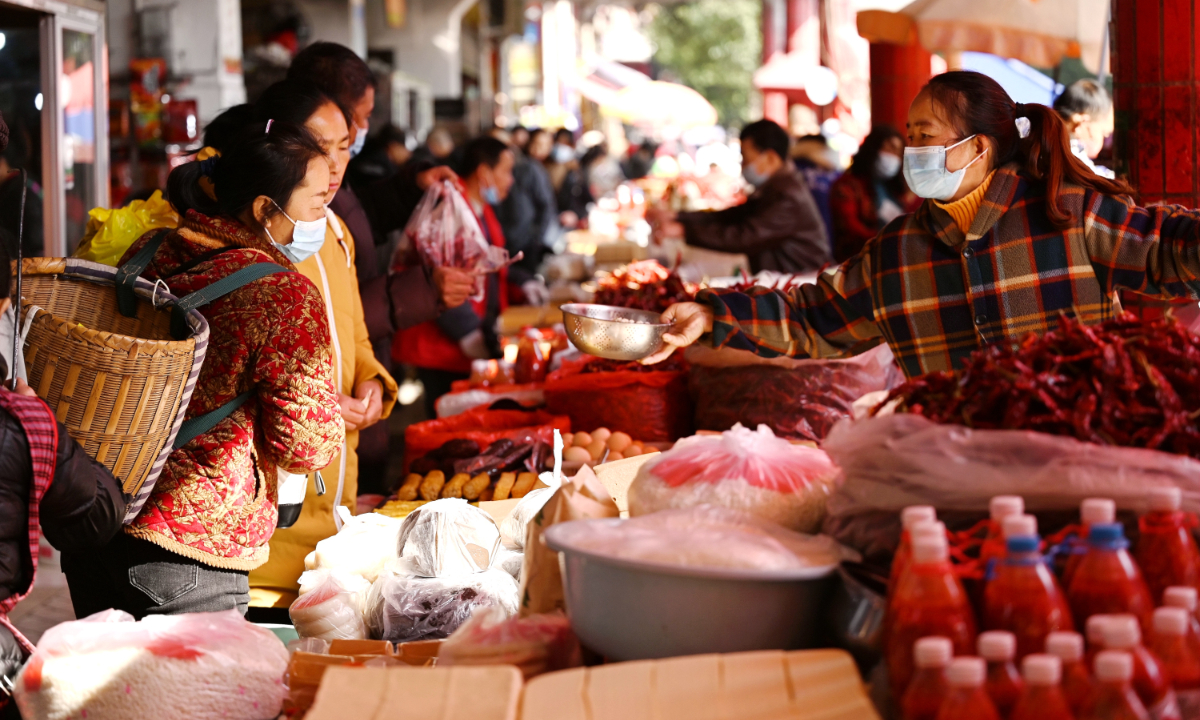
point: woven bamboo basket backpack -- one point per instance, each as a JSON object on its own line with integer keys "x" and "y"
{"x": 120, "y": 385}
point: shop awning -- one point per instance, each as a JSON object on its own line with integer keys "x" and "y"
{"x": 1037, "y": 32}
{"x": 784, "y": 71}
{"x": 602, "y": 83}
{"x": 662, "y": 104}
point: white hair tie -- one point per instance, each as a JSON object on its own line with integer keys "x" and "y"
{"x": 1023, "y": 127}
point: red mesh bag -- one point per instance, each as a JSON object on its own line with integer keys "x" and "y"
{"x": 649, "y": 405}
{"x": 484, "y": 427}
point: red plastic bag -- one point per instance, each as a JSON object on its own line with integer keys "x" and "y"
{"x": 483, "y": 426}
{"x": 649, "y": 406}
{"x": 445, "y": 233}
{"x": 797, "y": 399}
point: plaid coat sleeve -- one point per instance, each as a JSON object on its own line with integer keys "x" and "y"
{"x": 830, "y": 318}
{"x": 1151, "y": 250}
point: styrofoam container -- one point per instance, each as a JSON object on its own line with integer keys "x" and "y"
{"x": 636, "y": 610}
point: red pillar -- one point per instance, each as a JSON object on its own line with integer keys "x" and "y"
{"x": 898, "y": 72}
{"x": 1156, "y": 91}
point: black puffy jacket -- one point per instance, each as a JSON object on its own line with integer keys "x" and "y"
{"x": 82, "y": 508}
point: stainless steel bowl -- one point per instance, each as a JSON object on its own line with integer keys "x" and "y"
{"x": 614, "y": 333}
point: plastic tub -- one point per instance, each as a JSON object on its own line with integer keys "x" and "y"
{"x": 636, "y": 610}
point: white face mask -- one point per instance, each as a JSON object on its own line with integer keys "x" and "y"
{"x": 925, "y": 171}
{"x": 887, "y": 165}
{"x": 360, "y": 139}
{"x": 307, "y": 238}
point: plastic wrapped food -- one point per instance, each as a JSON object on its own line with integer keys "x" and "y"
{"x": 535, "y": 644}
{"x": 742, "y": 469}
{"x": 403, "y": 607}
{"x": 510, "y": 561}
{"x": 178, "y": 667}
{"x": 330, "y": 606}
{"x": 448, "y": 538}
{"x": 650, "y": 403}
{"x": 798, "y": 399}
{"x": 531, "y": 395}
{"x": 362, "y": 547}
{"x": 480, "y": 426}
{"x": 512, "y": 530}
{"x": 705, "y": 536}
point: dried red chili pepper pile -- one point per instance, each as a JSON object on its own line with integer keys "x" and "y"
{"x": 1124, "y": 382}
{"x": 644, "y": 285}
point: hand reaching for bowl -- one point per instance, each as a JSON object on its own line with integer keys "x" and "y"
{"x": 688, "y": 322}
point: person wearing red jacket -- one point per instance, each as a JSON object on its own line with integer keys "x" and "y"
{"x": 442, "y": 349}
{"x": 870, "y": 194}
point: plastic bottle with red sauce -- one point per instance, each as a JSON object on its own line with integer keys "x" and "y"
{"x": 1114, "y": 698}
{"x": 1094, "y": 633}
{"x": 1043, "y": 698}
{"x": 1150, "y": 680}
{"x": 1168, "y": 640}
{"x": 967, "y": 699}
{"x": 1166, "y": 551}
{"x": 998, "y": 648}
{"x": 919, "y": 528}
{"x": 909, "y": 516}
{"x": 1076, "y": 680}
{"x": 1000, "y": 507}
{"x": 1023, "y": 596}
{"x": 1092, "y": 511}
{"x": 924, "y": 696}
{"x": 1185, "y": 598}
{"x": 929, "y": 600}
{"x": 1107, "y": 579}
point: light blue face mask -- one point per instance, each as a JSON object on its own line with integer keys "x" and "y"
{"x": 753, "y": 176}
{"x": 491, "y": 195}
{"x": 360, "y": 139}
{"x": 925, "y": 171}
{"x": 307, "y": 238}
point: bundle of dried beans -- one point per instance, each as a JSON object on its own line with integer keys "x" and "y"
{"x": 1124, "y": 382}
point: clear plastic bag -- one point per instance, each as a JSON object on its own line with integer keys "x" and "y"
{"x": 535, "y": 644}
{"x": 330, "y": 606}
{"x": 513, "y": 529}
{"x": 748, "y": 470}
{"x": 362, "y": 547}
{"x": 178, "y": 667}
{"x": 706, "y": 536}
{"x": 448, "y": 538}
{"x": 403, "y": 607}
{"x": 445, "y": 233}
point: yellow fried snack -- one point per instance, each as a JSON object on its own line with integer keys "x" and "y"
{"x": 485, "y": 495}
{"x": 523, "y": 485}
{"x": 431, "y": 486}
{"x": 399, "y": 508}
{"x": 504, "y": 486}
{"x": 454, "y": 488}
{"x": 408, "y": 491}
{"x": 475, "y": 486}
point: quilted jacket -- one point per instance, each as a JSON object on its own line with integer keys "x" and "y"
{"x": 215, "y": 501}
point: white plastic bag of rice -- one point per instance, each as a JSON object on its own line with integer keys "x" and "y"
{"x": 749, "y": 470}
{"x": 180, "y": 667}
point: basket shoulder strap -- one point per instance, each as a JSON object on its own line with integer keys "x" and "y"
{"x": 197, "y": 426}
{"x": 217, "y": 290}
{"x": 128, "y": 273}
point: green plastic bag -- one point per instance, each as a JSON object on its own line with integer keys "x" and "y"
{"x": 110, "y": 232}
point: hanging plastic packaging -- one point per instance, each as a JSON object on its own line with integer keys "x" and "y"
{"x": 110, "y": 232}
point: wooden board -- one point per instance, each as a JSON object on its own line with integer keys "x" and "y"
{"x": 453, "y": 693}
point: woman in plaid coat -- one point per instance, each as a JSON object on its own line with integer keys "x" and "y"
{"x": 1014, "y": 231}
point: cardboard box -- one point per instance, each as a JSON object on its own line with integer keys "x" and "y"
{"x": 454, "y": 693}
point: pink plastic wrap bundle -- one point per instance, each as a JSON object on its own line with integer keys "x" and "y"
{"x": 109, "y": 667}
{"x": 536, "y": 644}
{"x": 445, "y": 233}
{"x": 742, "y": 469}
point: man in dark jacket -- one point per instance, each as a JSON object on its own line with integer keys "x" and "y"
{"x": 779, "y": 228}
{"x": 527, "y": 212}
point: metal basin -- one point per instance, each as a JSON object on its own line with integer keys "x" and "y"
{"x": 635, "y": 610}
{"x": 614, "y": 333}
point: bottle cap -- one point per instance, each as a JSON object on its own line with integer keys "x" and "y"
{"x": 1022, "y": 543}
{"x": 1097, "y": 511}
{"x": 1095, "y": 628}
{"x": 926, "y": 527}
{"x": 933, "y": 652}
{"x": 914, "y": 513}
{"x": 1114, "y": 666}
{"x": 1039, "y": 669}
{"x": 1019, "y": 525}
{"x": 1171, "y": 621}
{"x": 966, "y": 671}
{"x": 1002, "y": 506}
{"x": 1108, "y": 535}
{"x": 1166, "y": 498}
{"x": 997, "y": 645}
{"x": 930, "y": 549}
{"x": 1067, "y": 646}
{"x": 1180, "y": 596}
{"x": 1122, "y": 632}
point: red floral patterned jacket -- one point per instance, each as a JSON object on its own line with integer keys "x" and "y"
{"x": 215, "y": 501}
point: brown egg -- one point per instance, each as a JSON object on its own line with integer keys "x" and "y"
{"x": 577, "y": 454}
{"x": 568, "y": 440}
{"x": 618, "y": 441}
{"x": 601, "y": 434}
{"x": 582, "y": 439}
{"x": 615, "y": 456}
{"x": 632, "y": 451}
{"x": 597, "y": 448}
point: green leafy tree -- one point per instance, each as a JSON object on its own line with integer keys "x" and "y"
{"x": 714, "y": 47}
